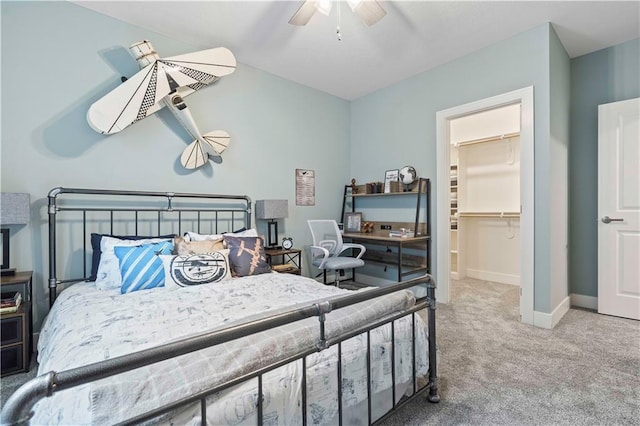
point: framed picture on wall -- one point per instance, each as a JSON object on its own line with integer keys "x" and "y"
{"x": 353, "y": 222}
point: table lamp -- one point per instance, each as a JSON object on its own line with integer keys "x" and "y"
{"x": 15, "y": 209}
{"x": 272, "y": 210}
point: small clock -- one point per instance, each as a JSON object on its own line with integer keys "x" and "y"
{"x": 287, "y": 243}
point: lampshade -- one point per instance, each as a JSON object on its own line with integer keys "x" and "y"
{"x": 272, "y": 209}
{"x": 15, "y": 208}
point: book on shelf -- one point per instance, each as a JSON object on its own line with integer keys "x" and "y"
{"x": 402, "y": 233}
{"x": 9, "y": 309}
{"x": 283, "y": 267}
{"x": 10, "y": 299}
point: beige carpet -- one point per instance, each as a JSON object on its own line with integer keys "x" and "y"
{"x": 495, "y": 370}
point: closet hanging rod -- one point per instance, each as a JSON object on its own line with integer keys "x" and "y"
{"x": 490, "y": 214}
{"x": 489, "y": 139}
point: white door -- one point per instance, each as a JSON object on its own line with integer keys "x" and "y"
{"x": 619, "y": 209}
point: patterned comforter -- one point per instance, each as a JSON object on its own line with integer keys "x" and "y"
{"x": 87, "y": 325}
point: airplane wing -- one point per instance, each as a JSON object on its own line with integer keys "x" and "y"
{"x": 141, "y": 95}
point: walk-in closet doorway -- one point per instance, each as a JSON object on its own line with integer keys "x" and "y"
{"x": 485, "y": 194}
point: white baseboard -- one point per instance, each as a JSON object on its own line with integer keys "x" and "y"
{"x": 496, "y": 277}
{"x": 582, "y": 301}
{"x": 544, "y": 320}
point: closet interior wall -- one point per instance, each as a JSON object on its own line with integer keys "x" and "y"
{"x": 485, "y": 196}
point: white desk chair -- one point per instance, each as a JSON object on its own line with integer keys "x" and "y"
{"x": 328, "y": 246}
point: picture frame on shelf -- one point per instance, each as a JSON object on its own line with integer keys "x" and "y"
{"x": 390, "y": 176}
{"x": 353, "y": 222}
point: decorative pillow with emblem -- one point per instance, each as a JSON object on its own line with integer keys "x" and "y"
{"x": 184, "y": 247}
{"x": 246, "y": 255}
{"x": 195, "y": 269}
{"x": 141, "y": 267}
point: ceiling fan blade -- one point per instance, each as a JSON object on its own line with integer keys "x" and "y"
{"x": 304, "y": 13}
{"x": 369, "y": 11}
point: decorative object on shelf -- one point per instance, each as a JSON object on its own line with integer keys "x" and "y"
{"x": 15, "y": 209}
{"x": 408, "y": 177}
{"x": 354, "y": 187}
{"x": 367, "y": 227}
{"x": 375, "y": 188}
{"x": 272, "y": 210}
{"x": 165, "y": 82}
{"x": 287, "y": 243}
{"x": 352, "y": 222}
{"x": 390, "y": 176}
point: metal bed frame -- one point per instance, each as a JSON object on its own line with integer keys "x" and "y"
{"x": 198, "y": 210}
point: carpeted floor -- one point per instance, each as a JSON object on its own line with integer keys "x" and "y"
{"x": 496, "y": 371}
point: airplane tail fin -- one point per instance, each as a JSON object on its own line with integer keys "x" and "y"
{"x": 197, "y": 153}
{"x": 218, "y": 141}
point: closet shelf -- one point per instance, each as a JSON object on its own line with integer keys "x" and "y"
{"x": 489, "y": 214}
{"x": 489, "y": 139}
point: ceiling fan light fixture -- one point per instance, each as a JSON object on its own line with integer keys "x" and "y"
{"x": 324, "y": 6}
{"x": 369, "y": 11}
{"x": 354, "y": 3}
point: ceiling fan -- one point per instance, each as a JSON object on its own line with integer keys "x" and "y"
{"x": 369, "y": 11}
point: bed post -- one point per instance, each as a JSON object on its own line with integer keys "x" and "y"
{"x": 433, "y": 349}
{"x": 52, "y": 245}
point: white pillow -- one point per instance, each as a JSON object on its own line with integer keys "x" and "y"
{"x": 108, "y": 276}
{"x": 196, "y": 269}
{"x": 194, "y": 236}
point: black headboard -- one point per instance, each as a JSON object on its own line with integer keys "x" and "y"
{"x": 76, "y": 213}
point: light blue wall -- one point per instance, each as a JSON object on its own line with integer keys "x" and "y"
{"x": 396, "y": 126}
{"x": 58, "y": 58}
{"x": 558, "y": 192}
{"x": 605, "y": 76}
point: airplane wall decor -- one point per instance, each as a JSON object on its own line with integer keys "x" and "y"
{"x": 166, "y": 82}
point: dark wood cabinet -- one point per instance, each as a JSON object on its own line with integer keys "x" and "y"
{"x": 16, "y": 328}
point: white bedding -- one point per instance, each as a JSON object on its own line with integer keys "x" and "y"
{"x": 87, "y": 325}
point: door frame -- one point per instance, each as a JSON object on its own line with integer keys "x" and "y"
{"x": 525, "y": 98}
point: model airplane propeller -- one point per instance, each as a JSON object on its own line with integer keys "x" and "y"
{"x": 165, "y": 82}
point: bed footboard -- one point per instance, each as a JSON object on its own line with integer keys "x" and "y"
{"x": 18, "y": 408}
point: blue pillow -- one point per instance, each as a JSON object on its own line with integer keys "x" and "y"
{"x": 141, "y": 267}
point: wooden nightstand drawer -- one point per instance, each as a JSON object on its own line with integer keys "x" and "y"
{"x": 12, "y": 359}
{"x": 11, "y": 330}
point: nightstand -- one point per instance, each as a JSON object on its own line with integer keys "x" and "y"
{"x": 285, "y": 261}
{"x": 16, "y": 337}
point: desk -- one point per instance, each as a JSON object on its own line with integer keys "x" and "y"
{"x": 407, "y": 264}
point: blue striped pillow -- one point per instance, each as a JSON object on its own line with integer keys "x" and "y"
{"x": 141, "y": 267}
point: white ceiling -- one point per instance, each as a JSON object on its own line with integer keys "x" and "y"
{"x": 414, "y": 36}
